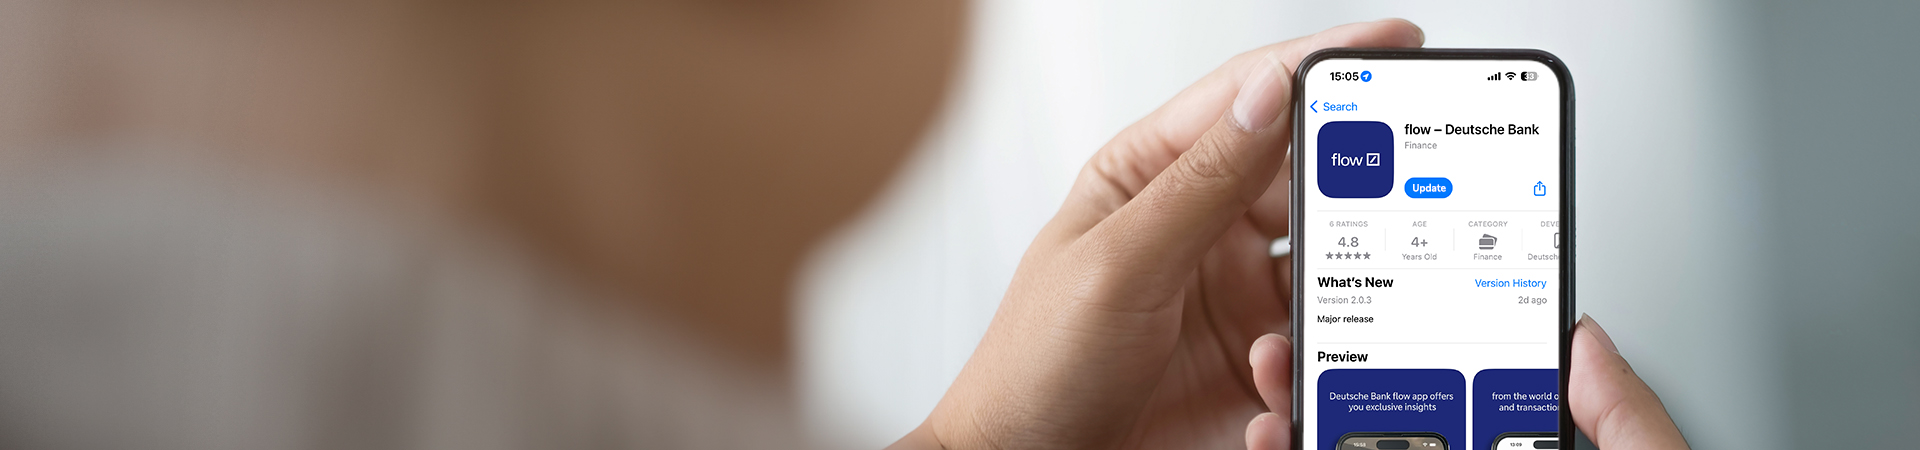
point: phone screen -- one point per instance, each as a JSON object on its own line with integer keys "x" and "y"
{"x": 1523, "y": 442}
{"x": 1430, "y": 244}
{"x": 1393, "y": 441}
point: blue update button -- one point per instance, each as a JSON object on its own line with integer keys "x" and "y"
{"x": 1433, "y": 187}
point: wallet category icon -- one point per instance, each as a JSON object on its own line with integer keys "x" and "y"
{"x": 1487, "y": 241}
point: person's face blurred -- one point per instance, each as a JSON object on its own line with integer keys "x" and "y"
{"x": 682, "y": 153}
{"x": 693, "y": 151}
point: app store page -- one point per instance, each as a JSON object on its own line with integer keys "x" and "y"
{"x": 1430, "y": 249}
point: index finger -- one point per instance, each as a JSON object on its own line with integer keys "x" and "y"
{"x": 1609, "y": 402}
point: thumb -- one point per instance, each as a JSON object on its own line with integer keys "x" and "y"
{"x": 1609, "y": 402}
{"x": 1163, "y": 231}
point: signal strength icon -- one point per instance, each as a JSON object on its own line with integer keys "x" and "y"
{"x": 1494, "y": 77}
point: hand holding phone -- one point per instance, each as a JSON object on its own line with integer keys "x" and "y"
{"x": 1130, "y": 317}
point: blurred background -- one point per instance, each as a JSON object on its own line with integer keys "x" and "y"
{"x": 1744, "y": 197}
{"x": 1744, "y": 188}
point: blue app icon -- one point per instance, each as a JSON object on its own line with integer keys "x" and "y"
{"x": 1355, "y": 159}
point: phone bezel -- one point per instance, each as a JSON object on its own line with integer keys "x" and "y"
{"x": 1567, "y": 244}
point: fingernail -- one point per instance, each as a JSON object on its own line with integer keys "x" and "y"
{"x": 1599, "y": 333}
{"x": 1418, "y": 33}
{"x": 1263, "y": 95}
{"x": 1274, "y": 339}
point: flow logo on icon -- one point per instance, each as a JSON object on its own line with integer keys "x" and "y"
{"x": 1355, "y": 159}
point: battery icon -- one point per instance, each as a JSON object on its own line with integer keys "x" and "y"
{"x": 1529, "y": 76}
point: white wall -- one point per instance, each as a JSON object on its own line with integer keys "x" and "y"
{"x": 1842, "y": 157}
{"x": 894, "y": 306}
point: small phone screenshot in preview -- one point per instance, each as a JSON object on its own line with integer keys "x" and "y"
{"x": 1430, "y": 247}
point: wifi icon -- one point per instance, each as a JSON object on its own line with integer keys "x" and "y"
{"x": 1509, "y": 76}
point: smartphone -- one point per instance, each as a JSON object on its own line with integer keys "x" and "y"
{"x": 1526, "y": 441}
{"x": 1432, "y": 245}
{"x": 1393, "y": 441}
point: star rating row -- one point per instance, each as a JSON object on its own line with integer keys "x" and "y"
{"x": 1349, "y": 255}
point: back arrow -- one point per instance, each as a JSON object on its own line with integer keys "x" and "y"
{"x": 1312, "y": 106}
